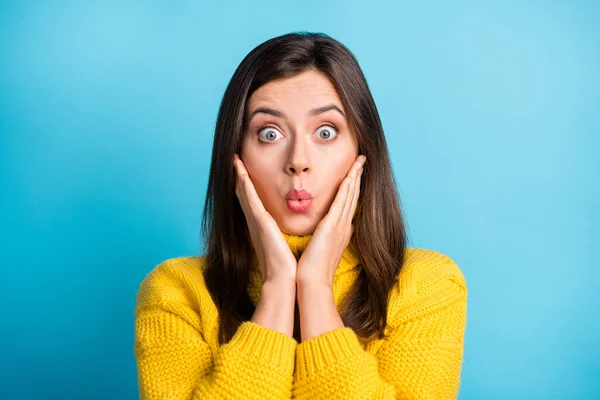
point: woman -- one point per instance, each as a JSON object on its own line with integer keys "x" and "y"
{"x": 306, "y": 288}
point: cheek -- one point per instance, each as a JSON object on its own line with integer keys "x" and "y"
{"x": 330, "y": 182}
{"x": 338, "y": 170}
{"x": 260, "y": 174}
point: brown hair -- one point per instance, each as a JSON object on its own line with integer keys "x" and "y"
{"x": 379, "y": 233}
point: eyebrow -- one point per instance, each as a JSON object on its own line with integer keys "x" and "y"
{"x": 313, "y": 112}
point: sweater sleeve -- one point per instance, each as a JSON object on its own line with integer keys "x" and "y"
{"x": 421, "y": 358}
{"x": 175, "y": 362}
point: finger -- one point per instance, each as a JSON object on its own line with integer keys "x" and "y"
{"x": 239, "y": 170}
{"x": 357, "y": 165}
{"x": 339, "y": 204}
{"x": 355, "y": 171}
{"x": 356, "y": 195}
{"x": 349, "y": 200}
{"x": 253, "y": 202}
{"x": 239, "y": 165}
{"x": 240, "y": 190}
{"x": 337, "y": 207}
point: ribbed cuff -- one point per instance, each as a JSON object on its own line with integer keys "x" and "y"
{"x": 265, "y": 344}
{"x": 323, "y": 350}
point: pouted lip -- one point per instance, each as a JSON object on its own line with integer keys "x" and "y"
{"x": 295, "y": 194}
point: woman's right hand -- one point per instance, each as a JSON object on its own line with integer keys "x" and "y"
{"x": 277, "y": 262}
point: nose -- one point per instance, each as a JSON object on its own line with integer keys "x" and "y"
{"x": 298, "y": 160}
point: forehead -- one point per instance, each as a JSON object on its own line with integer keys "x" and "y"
{"x": 303, "y": 91}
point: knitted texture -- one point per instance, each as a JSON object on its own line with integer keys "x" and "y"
{"x": 178, "y": 356}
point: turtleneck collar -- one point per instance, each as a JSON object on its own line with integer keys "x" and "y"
{"x": 349, "y": 261}
{"x": 298, "y": 245}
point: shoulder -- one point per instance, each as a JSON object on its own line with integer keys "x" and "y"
{"x": 175, "y": 291}
{"x": 427, "y": 280}
{"x": 424, "y": 267}
{"x": 174, "y": 279}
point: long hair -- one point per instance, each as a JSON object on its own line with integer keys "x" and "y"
{"x": 379, "y": 233}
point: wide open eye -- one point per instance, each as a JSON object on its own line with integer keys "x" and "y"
{"x": 326, "y": 132}
{"x": 270, "y": 134}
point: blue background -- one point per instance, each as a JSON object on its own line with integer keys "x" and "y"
{"x": 107, "y": 111}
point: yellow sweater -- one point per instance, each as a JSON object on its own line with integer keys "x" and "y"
{"x": 178, "y": 356}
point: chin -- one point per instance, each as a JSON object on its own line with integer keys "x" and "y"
{"x": 298, "y": 228}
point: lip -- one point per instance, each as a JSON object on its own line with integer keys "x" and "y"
{"x": 299, "y": 201}
{"x": 299, "y": 206}
{"x": 295, "y": 194}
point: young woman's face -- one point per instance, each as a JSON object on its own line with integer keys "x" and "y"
{"x": 295, "y": 138}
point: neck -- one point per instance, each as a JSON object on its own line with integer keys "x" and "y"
{"x": 349, "y": 261}
{"x": 298, "y": 244}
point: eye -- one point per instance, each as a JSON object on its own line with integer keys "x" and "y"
{"x": 270, "y": 133}
{"x": 324, "y": 132}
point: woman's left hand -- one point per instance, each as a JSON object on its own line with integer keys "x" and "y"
{"x": 322, "y": 255}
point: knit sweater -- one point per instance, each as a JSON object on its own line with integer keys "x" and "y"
{"x": 178, "y": 355}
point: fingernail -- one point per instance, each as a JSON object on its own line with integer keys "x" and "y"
{"x": 363, "y": 159}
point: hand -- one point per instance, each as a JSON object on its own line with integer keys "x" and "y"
{"x": 273, "y": 252}
{"x": 322, "y": 255}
